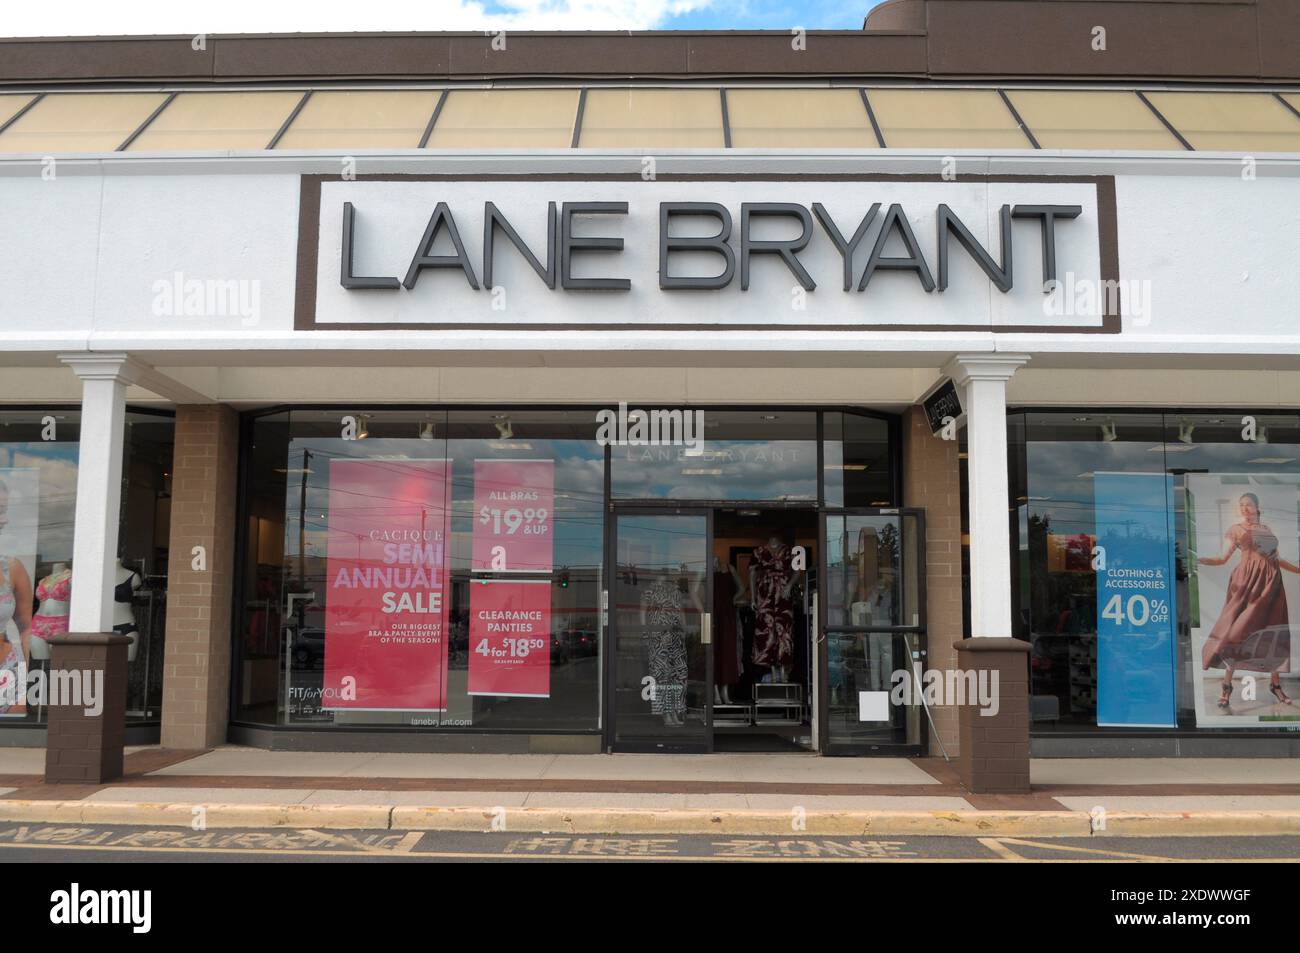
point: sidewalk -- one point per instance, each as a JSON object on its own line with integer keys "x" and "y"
{"x": 721, "y": 793}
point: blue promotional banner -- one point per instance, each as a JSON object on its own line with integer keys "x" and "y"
{"x": 1136, "y": 638}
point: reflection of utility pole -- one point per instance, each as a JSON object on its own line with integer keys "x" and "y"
{"x": 302, "y": 521}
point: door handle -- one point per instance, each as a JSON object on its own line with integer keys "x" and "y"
{"x": 706, "y": 628}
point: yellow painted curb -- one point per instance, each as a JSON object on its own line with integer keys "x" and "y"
{"x": 776, "y": 823}
{"x": 1199, "y": 823}
{"x": 629, "y": 822}
{"x": 335, "y": 816}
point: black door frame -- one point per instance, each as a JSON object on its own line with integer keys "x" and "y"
{"x": 824, "y": 747}
{"x": 610, "y": 674}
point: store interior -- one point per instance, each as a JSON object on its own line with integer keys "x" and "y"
{"x": 762, "y": 628}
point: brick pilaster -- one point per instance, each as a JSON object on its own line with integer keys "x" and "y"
{"x": 932, "y": 480}
{"x": 83, "y": 746}
{"x": 995, "y": 748}
{"x": 196, "y": 668}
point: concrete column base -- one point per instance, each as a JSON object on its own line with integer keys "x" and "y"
{"x": 85, "y": 748}
{"x": 994, "y": 753}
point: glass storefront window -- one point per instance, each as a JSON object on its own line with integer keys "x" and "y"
{"x": 39, "y": 451}
{"x": 857, "y": 462}
{"x": 872, "y": 571}
{"x": 424, "y": 569}
{"x": 745, "y": 455}
{"x": 445, "y": 568}
{"x": 1216, "y": 464}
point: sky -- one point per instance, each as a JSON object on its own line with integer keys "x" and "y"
{"x": 136, "y": 17}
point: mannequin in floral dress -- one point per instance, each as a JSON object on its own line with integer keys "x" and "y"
{"x": 771, "y": 580}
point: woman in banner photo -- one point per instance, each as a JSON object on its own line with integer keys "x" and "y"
{"x": 1255, "y": 602}
{"x": 15, "y": 607}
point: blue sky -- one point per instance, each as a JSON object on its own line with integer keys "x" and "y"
{"x": 97, "y": 18}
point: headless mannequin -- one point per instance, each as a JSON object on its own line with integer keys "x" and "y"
{"x": 52, "y": 614}
{"x": 722, "y": 693}
{"x": 774, "y": 544}
{"x": 128, "y": 584}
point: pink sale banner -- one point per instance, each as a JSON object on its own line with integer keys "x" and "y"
{"x": 514, "y": 503}
{"x": 510, "y": 638}
{"x": 386, "y": 586}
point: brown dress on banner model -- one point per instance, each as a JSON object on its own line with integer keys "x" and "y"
{"x": 1253, "y": 632}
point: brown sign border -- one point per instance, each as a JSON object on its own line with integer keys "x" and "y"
{"x": 304, "y": 311}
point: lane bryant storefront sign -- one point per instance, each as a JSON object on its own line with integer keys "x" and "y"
{"x": 732, "y": 244}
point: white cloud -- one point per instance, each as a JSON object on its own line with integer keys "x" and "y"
{"x": 144, "y": 17}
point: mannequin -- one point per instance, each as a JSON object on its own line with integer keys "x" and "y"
{"x": 128, "y": 584}
{"x": 663, "y": 622}
{"x": 771, "y": 580}
{"x": 728, "y": 594}
{"x": 55, "y": 595}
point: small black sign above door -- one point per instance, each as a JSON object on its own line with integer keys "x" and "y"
{"x": 941, "y": 404}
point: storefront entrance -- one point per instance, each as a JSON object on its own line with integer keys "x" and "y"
{"x": 682, "y": 587}
{"x": 721, "y": 637}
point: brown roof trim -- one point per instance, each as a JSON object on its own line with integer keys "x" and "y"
{"x": 1234, "y": 41}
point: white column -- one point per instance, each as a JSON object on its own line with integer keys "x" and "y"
{"x": 982, "y": 379}
{"x": 104, "y": 379}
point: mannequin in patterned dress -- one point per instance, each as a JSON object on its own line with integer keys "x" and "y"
{"x": 771, "y": 581}
{"x": 663, "y": 621}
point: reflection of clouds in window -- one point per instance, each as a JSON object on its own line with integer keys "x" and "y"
{"x": 1060, "y": 472}
{"x": 57, "y": 463}
{"x": 579, "y": 486}
{"x": 727, "y": 470}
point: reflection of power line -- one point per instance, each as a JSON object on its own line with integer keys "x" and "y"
{"x": 591, "y": 495}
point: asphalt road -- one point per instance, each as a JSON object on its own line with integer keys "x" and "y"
{"x": 38, "y": 843}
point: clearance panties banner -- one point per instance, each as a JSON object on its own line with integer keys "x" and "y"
{"x": 510, "y": 638}
{"x": 386, "y": 586}
{"x": 514, "y": 501}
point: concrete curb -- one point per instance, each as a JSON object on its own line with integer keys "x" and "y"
{"x": 334, "y": 816}
{"x": 622, "y": 821}
{"x": 778, "y": 823}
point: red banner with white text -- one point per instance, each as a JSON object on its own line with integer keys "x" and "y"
{"x": 514, "y": 501}
{"x": 386, "y": 586}
{"x": 510, "y": 638}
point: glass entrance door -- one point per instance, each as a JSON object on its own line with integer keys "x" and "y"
{"x": 660, "y": 697}
{"x": 873, "y": 630}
